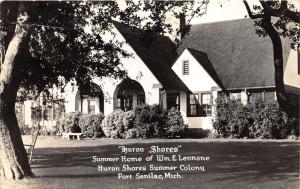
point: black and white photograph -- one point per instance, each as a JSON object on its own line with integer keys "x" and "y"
{"x": 149, "y": 94}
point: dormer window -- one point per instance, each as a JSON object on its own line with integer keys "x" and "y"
{"x": 185, "y": 67}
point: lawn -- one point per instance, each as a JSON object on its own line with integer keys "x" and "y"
{"x": 233, "y": 164}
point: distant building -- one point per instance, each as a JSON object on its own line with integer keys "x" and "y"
{"x": 224, "y": 56}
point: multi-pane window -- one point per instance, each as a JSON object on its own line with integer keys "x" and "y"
{"x": 199, "y": 104}
{"x": 185, "y": 67}
{"x": 91, "y": 106}
{"x": 206, "y": 103}
{"x": 124, "y": 103}
{"x": 118, "y": 103}
{"x": 194, "y": 104}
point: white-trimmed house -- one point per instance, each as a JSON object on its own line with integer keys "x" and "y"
{"x": 193, "y": 67}
{"x": 225, "y": 56}
{"x": 239, "y": 62}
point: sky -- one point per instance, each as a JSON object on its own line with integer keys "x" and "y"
{"x": 221, "y": 10}
{"x": 217, "y": 10}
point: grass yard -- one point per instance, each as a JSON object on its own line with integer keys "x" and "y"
{"x": 266, "y": 164}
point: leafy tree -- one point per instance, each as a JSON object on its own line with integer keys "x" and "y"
{"x": 286, "y": 23}
{"x": 47, "y": 44}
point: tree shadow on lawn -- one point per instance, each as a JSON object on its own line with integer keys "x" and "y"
{"x": 241, "y": 161}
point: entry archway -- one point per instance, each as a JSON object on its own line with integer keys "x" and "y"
{"x": 90, "y": 102}
{"x": 128, "y": 94}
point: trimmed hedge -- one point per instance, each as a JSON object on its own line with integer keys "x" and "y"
{"x": 254, "y": 120}
{"x": 198, "y": 133}
{"x": 271, "y": 122}
{"x": 117, "y": 124}
{"x": 69, "y": 122}
{"x": 91, "y": 124}
{"x": 175, "y": 126}
{"x": 150, "y": 121}
{"x": 144, "y": 122}
{"x": 77, "y": 122}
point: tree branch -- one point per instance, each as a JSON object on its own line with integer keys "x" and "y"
{"x": 283, "y": 10}
{"x": 13, "y": 49}
{"x": 251, "y": 15}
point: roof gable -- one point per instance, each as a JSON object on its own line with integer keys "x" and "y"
{"x": 158, "y": 54}
{"x": 193, "y": 74}
{"x": 203, "y": 60}
{"x": 238, "y": 55}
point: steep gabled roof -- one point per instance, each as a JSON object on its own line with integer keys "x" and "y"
{"x": 238, "y": 55}
{"x": 203, "y": 60}
{"x": 158, "y": 54}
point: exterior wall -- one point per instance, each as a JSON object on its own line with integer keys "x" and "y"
{"x": 197, "y": 79}
{"x": 244, "y": 97}
{"x": 291, "y": 76}
{"x": 194, "y": 122}
{"x": 71, "y": 96}
{"x": 136, "y": 70}
{"x": 201, "y": 122}
{"x": 183, "y": 105}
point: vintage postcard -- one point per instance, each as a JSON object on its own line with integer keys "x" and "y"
{"x": 149, "y": 94}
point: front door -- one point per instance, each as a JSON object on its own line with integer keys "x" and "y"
{"x": 173, "y": 101}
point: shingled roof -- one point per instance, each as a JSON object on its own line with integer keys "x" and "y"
{"x": 158, "y": 54}
{"x": 240, "y": 58}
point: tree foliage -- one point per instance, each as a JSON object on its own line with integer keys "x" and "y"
{"x": 275, "y": 19}
{"x": 46, "y": 44}
{"x": 286, "y": 18}
{"x": 66, "y": 42}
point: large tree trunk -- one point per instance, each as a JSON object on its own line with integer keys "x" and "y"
{"x": 266, "y": 16}
{"x": 13, "y": 157}
{"x": 278, "y": 62}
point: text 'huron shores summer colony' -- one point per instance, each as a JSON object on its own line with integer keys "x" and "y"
{"x": 154, "y": 162}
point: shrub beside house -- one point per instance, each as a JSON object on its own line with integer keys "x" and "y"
{"x": 141, "y": 122}
{"x": 144, "y": 122}
{"x": 257, "y": 119}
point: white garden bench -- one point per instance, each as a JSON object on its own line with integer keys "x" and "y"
{"x": 70, "y": 135}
